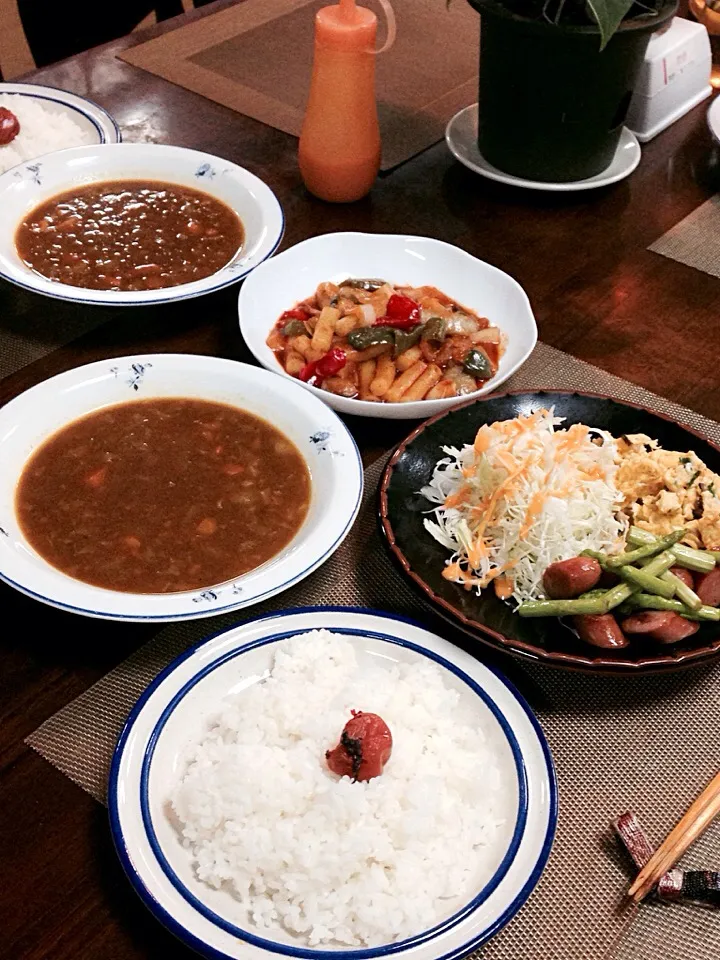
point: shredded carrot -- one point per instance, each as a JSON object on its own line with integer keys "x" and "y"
{"x": 479, "y": 509}
{"x": 482, "y": 439}
{"x": 507, "y": 460}
{"x": 503, "y": 587}
{"x": 459, "y": 497}
{"x": 494, "y": 501}
{"x": 537, "y": 501}
{"x": 452, "y": 571}
{"x": 501, "y": 487}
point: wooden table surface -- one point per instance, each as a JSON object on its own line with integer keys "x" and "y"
{"x": 597, "y": 293}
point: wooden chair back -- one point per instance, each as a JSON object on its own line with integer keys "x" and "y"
{"x": 15, "y": 55}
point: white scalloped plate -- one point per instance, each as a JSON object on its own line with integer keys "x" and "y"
{"x": 295, "y": 273}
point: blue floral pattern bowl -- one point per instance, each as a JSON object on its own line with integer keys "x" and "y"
{"x": 324, "y": 441}
{"x": 28, "y": 185}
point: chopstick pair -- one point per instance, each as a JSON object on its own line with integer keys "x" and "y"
{"x": 698, "y": 886}
{"x": 696, "y": 820}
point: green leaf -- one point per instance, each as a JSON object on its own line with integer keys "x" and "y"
{"x": 609, "y": 15}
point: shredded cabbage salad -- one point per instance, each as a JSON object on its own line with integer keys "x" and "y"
{"x": 524, "y": 495}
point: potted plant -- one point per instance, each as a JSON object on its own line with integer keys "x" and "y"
{"x": 556, "y": 79}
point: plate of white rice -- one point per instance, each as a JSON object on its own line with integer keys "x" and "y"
{"x": 239, "y": 837}
{"x": 51, "y": 119}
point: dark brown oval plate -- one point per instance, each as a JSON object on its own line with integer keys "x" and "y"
{"x": 422, "y": 559}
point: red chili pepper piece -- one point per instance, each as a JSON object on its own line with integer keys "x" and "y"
{"x": 401, "y": 308}
{"x": 364, "y": 749}
{"x": 296, "y": 314}
{"x": 308, "y": 371}
{"x": 401, "y": 312}
{"x": 9, "y": 126}
{"x": 331, "y": 363}
{"x": 327, "y": 366}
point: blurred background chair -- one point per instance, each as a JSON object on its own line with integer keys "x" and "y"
{"x": 34, "y": 33}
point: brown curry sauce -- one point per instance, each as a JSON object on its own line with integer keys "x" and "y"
{"x": 129, "y": 235}
{"x": 163, "y": 495}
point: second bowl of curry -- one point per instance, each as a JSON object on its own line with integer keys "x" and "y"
{"x": 168, "y": 487}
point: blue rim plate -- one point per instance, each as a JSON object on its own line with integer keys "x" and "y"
{"x": 186, "y": 693}
{"x": 324, "y": 441}
{"x": 85, "y": 112}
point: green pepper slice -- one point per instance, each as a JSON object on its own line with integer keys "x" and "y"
{"x": 477, "y": 364}
{"x": 363, "y": 283}
{"x": 404, "y": 339}
{"x": 435, "y": 329}
{"x": 295, "y": 328}
{"x": 363, "y": 337}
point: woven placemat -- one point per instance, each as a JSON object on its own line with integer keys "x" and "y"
{"x": 647, "y": 744}
{"x": 695, "y": 241}
{"x": 26, "y": 336}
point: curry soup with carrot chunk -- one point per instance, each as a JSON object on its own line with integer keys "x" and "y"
{"x": 129, "y": 235}
{"x": 163, "y": 495}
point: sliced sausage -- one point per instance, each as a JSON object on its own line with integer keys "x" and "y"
{"x": 608, "y": 579}
{"x": 600, "y": 630}
{"x": 647, "y": 621}
{"x": 708, "y": 587}
{"x": 682, "y": 574}
{"x": 566, "y": 579}
{"x": 678, "y": 629}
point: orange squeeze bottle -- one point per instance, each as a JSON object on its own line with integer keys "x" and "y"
{"x": 339, "y": 153}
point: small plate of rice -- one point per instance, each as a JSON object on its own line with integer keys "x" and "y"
{"x": 239, "y": 837}
{"x": 51, "y": 119}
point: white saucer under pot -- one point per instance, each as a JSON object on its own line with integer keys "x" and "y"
{"x": 461, "y": 138}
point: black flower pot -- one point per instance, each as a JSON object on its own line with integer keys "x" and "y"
{"x": 551, "y": 103}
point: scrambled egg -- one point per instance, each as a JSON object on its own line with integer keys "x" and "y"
{"x": 664, "y": 490}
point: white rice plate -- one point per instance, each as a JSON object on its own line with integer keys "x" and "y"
{"x": 43, "y": 128}
{"x": 322, "y": 858}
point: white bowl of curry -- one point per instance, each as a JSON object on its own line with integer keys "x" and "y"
{"x": 133, "y": 224}
{"x": 170, "y": 487}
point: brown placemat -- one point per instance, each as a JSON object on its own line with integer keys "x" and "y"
{"x": 255, "y": 57}
{"x": 695, "y": 241}
{"x": 648, "y": 744}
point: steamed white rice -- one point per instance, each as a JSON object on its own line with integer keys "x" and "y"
{"x": 325, "y": 859}
{"x": 43, "y": 128}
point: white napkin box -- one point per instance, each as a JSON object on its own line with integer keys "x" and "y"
{"x": 674, "y": 78}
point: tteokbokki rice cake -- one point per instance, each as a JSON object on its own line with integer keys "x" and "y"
{"x": 376, "y": 341}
